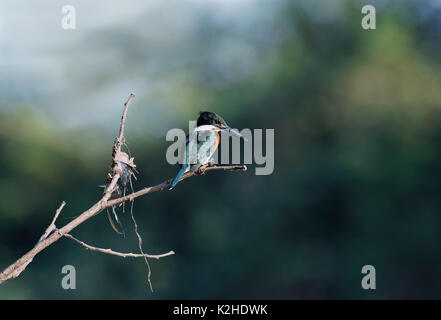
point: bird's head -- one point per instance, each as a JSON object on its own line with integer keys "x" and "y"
{"x": 211, "y": 118}
{"x": 211, "y": 121}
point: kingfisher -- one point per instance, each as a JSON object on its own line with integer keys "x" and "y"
{"x": 202, "y": 143}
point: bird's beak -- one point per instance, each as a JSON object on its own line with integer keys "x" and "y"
{"x": 234, "y": 132}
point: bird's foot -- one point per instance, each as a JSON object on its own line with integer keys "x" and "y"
{"x": 210, "y": 163}
{"x": 201, "y": 169}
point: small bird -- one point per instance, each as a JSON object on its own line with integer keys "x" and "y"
{"x": 199, "y": 150}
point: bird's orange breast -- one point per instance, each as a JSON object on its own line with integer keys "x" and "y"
{"x": 217, "y": 141}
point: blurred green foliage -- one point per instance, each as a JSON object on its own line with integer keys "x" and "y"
{"x": 357, "y": 119}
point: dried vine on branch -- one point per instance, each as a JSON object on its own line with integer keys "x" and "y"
{"x": 119, "y": 159}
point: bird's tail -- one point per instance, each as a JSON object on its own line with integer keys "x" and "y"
{"x": 177, "y": 178}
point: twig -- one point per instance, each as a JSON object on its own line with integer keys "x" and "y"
{"x": 52, "y": 226}
{"x": 119, "y": 254}
{"x": 124, "y": 116}
{"x": 149, "y": 271}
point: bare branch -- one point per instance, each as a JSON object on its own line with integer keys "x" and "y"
{"x": 165, "y": 184}
{"x": 149, "y": 271}
{"x": 124, "y": 116}
{"x": 52, "y": 234}
{"x": 119, "y": 254}
{"x": 15, "y": 269}
{"x": 52, "y": 226}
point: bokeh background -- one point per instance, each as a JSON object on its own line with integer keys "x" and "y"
{"x": 357, "y": 119}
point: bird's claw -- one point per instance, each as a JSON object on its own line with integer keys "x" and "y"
{"x": 210, "y": 163}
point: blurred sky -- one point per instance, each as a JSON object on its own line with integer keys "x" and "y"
{"x": 146, "y": 47}
{"x": 65, "y": 74}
